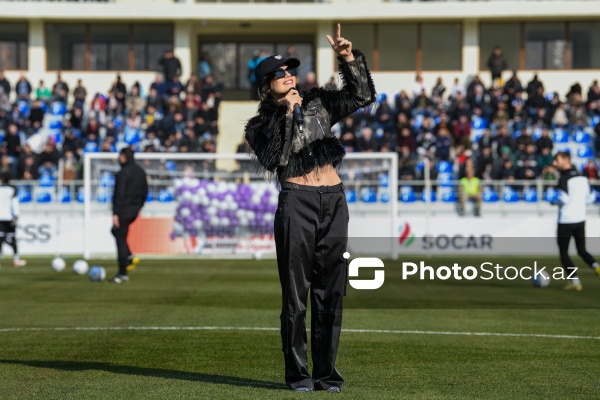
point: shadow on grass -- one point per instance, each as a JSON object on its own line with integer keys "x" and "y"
{"x": 150, "y": 372}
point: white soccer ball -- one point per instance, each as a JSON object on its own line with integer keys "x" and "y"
{"x": 58, "y": 264}
{"x": 97, "y": 274}
{"x": 541, "y": 279}
{"x": 257, "y": 255}
{"x": 80, "y": 267}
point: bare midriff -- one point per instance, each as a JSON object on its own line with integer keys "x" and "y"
{"x": 323, "y": 176}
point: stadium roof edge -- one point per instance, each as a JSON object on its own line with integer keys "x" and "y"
{"x": 302, "y": 12}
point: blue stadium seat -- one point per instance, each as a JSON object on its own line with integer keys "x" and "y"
{"x": 381, "y": 97}
{"x": 24, "y": 195}
{"x": 58, "y": 108}
{"x": 420, "y": 166}
{"x": 560, "y": 136}
{"x": 594, "y": 121}
{"x": 597, "y": 199}
{"x": 46, "y": 181}
{"x": 55, "y": 124}
{"x": 489, "y": 195}
{"x": 351, "y": 196}
{"x": 43, "y": 196}
{"x": 537, "y": 133}
{"x": 65, "y": 195}
{"x": 516, "y": 134}
{"x": 449, "y": 196}
{"x": 23, "y": 107}
{"x": 550, "y": 195}
{"x": 530, "y": 195}
{"x": 444, "y": 166}
{"x": 478, "y": 123}
{"x": 165, "y": 196}
{"x": 170, "y": 166}
{"x": 384, "y": 196}
{"x": 150, "y": 197}
{"x": 368, "y": 195}
{"x": 107, "y": 180}
{"x": 432, "y": 196}
{"x": 44, "y": 107}
{"x": 91, "y": 147}
{"x": 582, "y": 137}
{"x": 445, "y": 179}
{"x": 407, "y": 194}
{"x": 384, "y": 180}
{"x": 585, "y": 152}
{"x": 510, "y": 196}
{"x": 104, "y": 196}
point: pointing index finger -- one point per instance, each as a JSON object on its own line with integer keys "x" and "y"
{"x": 339, "y": 31}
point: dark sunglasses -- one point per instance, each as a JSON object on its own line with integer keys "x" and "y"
{"x": 280, "y": 73}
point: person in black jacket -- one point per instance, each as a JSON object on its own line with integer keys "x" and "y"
{"x": 171, "y": 66}
{"x": 131, "y": 191}
{"x": 497, "y": 64}
{"x": 311, "y": 221}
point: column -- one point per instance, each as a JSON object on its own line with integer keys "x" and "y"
{"x": 325, "y": 62}
{"x": 183, "y": 47}
{"x": 36, "y": 52}
{"x": 470, "y": 56}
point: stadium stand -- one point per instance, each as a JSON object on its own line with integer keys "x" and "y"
{"x": 504, "y": 133}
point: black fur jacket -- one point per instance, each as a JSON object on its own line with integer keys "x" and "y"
{"x": 275, "y": 143}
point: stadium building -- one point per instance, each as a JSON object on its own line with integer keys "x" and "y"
{"x": 450, "y": 39}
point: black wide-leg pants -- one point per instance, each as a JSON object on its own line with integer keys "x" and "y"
{"x": 311, "y": 235}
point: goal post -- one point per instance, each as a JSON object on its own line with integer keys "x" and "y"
{"x": 215, "y": 204}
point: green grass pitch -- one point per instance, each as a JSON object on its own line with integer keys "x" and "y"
{"x": 415, "y": 361}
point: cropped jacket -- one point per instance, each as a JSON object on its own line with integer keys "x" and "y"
{"x": 278, "y": 148}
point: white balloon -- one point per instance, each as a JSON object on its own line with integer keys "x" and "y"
{"x": 255, "y": 199}
{"x": 273, "y": 201}
{"x": 243, "y": 221}
{"x": 178, "y": 228}
{"x": 198, "y": 224}
{"x": 205, "y": 201}
{"x": 229, "y": 198}
{"x": 202, "y": 192}
{"x": 250, "y": 214}
{"x": 268, "y": 217}
{"x": 240, "y": 214}
{"x": 225, "y": 221}
{"x": 196, "y": 199}
{"x": 185, "y": 212}
{"x": 187, "y": 195}
{"x": 214, "y": 220}
{"x": 212, "y": 211}
{"x": 178, "y": 183}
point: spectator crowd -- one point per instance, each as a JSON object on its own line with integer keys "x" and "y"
{"x": 501, "y": 132}
{"x": 46, "y": 123}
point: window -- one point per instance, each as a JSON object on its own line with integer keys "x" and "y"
{"x": 107, "y": 47}
{"x": 13, "y": 46}
{"x": 150, "y": 42}
{"x": 505, "y": 35}
{"x": 229, "y": 60}
{"x": 397, "y": 47}
{"x": 441, "y": 45}
{"x": 584, "y": 38}
{"x": 545, "y": 45}
{"x": 362, "y": 37}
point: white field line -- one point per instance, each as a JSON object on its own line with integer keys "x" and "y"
{"x": 241, "y": 328}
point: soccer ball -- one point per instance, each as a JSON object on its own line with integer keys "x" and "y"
{"x": 541, "y": 279}
{"x": 58, "y": 264}
{"x": 80, "y": 267}
{"x": 97, "y": 274}
{"x": 257, "y": 255}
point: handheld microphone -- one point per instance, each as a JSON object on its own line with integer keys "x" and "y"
{"x": 299, "y": 118}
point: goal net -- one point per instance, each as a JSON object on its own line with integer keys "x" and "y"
{"x": 215, "y": 205}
